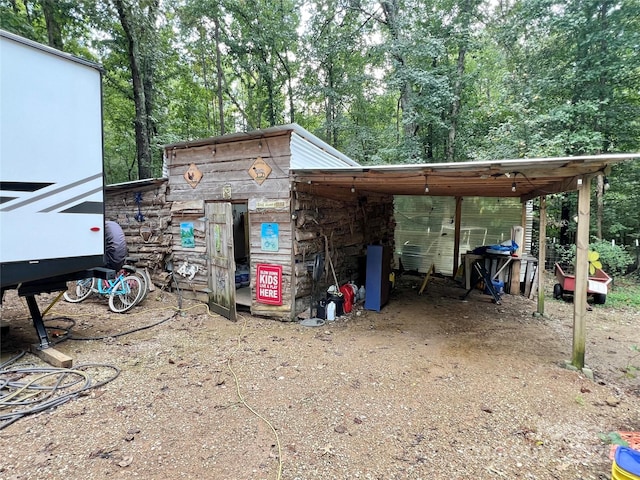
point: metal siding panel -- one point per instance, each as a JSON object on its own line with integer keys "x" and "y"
{"x": 425, "y": 228}
{"x": 305, "y": 154}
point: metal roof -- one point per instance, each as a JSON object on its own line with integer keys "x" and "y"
{"x": 307, "y": 150}
{"x": 134, "y": 184}
{"x": 524, "y": 178}
{"x": 52, "y": 51}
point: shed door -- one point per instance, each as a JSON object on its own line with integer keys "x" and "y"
{"x": 222, "y": 269}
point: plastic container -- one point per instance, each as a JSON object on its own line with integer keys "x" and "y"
{"x": 347, "y": 293}
{"x": 498, "y": 286}
{"x": 321, "y": 309}
{"x": 331, "y": 311}
{"x": 361, "y": 293}
{"x": 338, "y": 299}
{"x": 242, "y": 276}
{"x": 354, "y": 287}
{"x": 626, "y": 464}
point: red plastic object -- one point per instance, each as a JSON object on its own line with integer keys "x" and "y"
{"x": 347, "y": 293}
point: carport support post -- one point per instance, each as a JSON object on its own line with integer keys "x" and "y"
{"x": 582, "y": 267}
{"x": 456, "y": 241}
{"x": 542, "y": 252}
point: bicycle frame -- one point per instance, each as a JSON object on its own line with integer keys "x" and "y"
{"x": 107, "y": 287}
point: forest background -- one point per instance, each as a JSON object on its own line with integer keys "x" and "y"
{"x": 393, "y": 81}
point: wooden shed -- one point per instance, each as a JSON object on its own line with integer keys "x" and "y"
{"x": 245, "y": 233}
{"x": 142, "y": 210}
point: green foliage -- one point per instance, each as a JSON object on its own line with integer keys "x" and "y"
{"x": 621, "y": 200}
{"x": 400, "y": 81}
{"x": 625, "y": 293}
{"x": 615, "y": 259}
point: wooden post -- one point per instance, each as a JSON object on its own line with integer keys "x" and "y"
{"x": 516, "y": 265}
{"x": 456, "y": 242}
{"x": 582, "y": 271}
{"x": 542, "y": 252}
{"x": 514, "y": 279}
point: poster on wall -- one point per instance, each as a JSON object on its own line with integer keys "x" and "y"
{"x": 269, "y": 241}
{"x": 187, "y": 237}
{"x": 269, "y": 284}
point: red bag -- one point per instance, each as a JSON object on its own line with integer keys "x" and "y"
{"x": 347, "y": 294}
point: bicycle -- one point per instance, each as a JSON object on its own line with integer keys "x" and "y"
{"x": 124, "y": 292}
{"x": 142, "y": 273}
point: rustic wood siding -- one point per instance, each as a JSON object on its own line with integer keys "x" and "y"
{"x": 281, "y": 216}
{"x": 229, "y": 164}
{"x": 191, "y": 211}
{"x": 121, "y": 207}
{"x": 338, "y": 223}
{"x": 340, "y": 227}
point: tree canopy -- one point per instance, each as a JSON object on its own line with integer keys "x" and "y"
{"x": 389, "y": 81}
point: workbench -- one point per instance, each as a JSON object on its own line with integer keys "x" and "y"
{"x": 505, "y": 268}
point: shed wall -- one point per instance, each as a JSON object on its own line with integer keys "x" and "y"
{"x": 144, "y": 213}
{"x": 340, "y": 227}
{"x": 336, "y": 222}
{"x": 230, "y": 163}
{"x": 227, "y": 170}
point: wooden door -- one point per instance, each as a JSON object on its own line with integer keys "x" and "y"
{"x": 222, "y": 266}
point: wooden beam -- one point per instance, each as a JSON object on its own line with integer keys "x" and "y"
{"x": 582, "y": 271}
{"x": 52, "y": 356}
{"x": 456, "y": 242}
{"x": 558, "y": 186}
{"x": 542, "y": 252}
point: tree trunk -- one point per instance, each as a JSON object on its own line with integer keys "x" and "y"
{"x": 53, "y": 27}
{"x": 219, "y": 74}
{"x": 465, "y": 20}
{"x": 142, "y": 120}
{"x": 600, "y": 205}
{"x": 149, "y": 37}
{"x": 390, "y": 9}
{"x": 455, "y": 107}
{"x": 205, "y": 76}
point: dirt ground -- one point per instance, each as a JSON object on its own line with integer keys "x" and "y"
{"x": 432, "y": 387}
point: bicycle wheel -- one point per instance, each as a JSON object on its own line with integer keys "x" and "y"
{"x": 145, "y": 284}
{"x": 79, "y": 290}
{"x": 125, "y": 294}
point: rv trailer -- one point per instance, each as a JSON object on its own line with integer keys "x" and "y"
{"x": 51, "y": 171}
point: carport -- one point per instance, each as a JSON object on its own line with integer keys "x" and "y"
{"x": 525, "y": 179}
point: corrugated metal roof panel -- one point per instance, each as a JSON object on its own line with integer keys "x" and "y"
{"x": 307, "y": 150}
{"x": 313, "y": 153}
{"x": 135, "y": 184}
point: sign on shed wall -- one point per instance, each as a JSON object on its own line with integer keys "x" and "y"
{"x": 269, "y": 284}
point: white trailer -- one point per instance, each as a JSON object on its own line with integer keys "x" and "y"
{"x": 51, "y": 168}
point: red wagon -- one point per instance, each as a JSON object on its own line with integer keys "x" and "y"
{"x": 598, "y": 284}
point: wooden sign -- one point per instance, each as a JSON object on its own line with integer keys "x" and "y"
{"x": 259, "y": 171}
{"x": 269, "y": 284}
{"x": 193, "y": 175}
